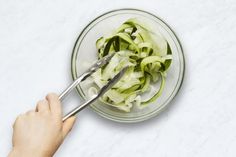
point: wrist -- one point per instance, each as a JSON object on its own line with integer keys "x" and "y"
{"x": 16, "y": 152}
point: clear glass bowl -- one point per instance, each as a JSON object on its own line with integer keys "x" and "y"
{"x": 85, "y": 53}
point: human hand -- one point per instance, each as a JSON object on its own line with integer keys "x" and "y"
{"x": 40, "y": 132}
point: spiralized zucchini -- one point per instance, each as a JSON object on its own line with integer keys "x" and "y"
{"x": 148, "y": 56}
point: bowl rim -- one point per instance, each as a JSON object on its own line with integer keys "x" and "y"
{"x": 109, "y": 116}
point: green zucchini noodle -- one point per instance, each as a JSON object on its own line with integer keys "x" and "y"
{"x": 148, "y": 56}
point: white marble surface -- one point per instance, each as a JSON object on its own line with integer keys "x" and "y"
{"x": 36, "y": 40}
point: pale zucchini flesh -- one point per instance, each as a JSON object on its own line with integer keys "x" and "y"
{"x": 148, "y": 56}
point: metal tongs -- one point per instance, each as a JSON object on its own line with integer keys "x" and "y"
{"x": 83, "y": 77}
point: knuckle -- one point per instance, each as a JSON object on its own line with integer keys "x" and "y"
{"x": 18, "y": 119}
{"x": 51, "y": 95}
{"x": 44, "y": 101}
{"x": 57, "y": 122}
{"x": 14, "y": 125}
{"x": 46, "y": 113}
{"x": 39, "y": 102}
{"x": 31, "y": 113}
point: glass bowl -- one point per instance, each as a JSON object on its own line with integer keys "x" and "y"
{"x": 85, "y": 53}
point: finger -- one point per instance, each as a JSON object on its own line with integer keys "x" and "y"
{"x": 42, "y": 106}
{"x": 30, "y": 112}
{"x": 17, "y": 119}
{"x": 67, "y": 125}
{"x": 54, "y": 104}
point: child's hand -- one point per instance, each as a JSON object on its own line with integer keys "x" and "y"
{"x": 39, "y": 133}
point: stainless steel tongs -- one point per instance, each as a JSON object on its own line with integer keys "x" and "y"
{"x": 83, "y": 77}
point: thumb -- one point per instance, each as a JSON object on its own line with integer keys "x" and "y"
{"x": 67, "y": 125}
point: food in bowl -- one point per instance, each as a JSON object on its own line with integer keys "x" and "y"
{"x": 148, "y": 56}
